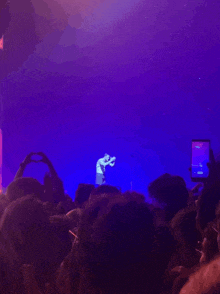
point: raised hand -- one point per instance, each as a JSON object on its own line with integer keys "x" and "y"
{"x": 112, "y": 163}
{"x": 28, "y": 159}
{"x": 44, "y": 158}
{"x": 214, "y": 170}
{"x": 56, "y": 182}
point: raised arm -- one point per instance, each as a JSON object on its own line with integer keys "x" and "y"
{"x": 24, "y": 164}
{"x": 58, "y": 189}
{"x": 111, "y": 162}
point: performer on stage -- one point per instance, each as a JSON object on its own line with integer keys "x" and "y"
{"x": 100, "y": 168}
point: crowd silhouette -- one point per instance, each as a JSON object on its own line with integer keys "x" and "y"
{"x": 107, "y": 241}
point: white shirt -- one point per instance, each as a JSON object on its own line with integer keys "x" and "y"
{"x": 100, "y": 166}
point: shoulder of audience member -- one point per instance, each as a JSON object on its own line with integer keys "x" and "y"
{"x": 205, "y": 280}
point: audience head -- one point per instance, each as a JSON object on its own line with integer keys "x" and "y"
{"x": 82, "y": 194}
{"x": 103, "y": 190}
{"x": 119, "y": 246}
{"x": 66, "y": 205}
{"x": 134, "y": 196}
{"x": 115, "y": 248}
{"x": 170, "y": 192}
{"x": 24, "y": 186}
{"x": 26, "y": 229}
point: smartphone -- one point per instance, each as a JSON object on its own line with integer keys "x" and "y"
{"x": 200, "y": 158}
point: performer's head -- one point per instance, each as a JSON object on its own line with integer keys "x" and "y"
{"x": 107, "y": 157}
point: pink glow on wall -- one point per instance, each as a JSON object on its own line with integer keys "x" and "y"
{"x": 1, "y": 43}
{"x": 0, "y": 161}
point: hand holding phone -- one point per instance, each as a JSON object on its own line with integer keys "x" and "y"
{"x": 200, "y": 160}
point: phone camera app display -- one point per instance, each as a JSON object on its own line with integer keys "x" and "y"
{"x": 200, "y": 158}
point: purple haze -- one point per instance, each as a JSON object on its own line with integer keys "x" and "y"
{"x": 135, "y": 79}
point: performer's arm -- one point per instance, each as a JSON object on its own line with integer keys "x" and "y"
{"x": 103, "y": 162}
{"x": 111, "y": 162}
{"x": 107, "y": 162}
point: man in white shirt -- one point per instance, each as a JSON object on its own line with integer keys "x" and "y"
{"x": 100, "y": 168}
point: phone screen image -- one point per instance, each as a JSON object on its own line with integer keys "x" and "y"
{"x": 200, "y": 158}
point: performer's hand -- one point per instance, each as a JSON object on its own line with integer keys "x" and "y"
{"x": 113, "y": 158}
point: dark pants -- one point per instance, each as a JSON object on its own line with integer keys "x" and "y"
{"x": 100, "y": 179}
